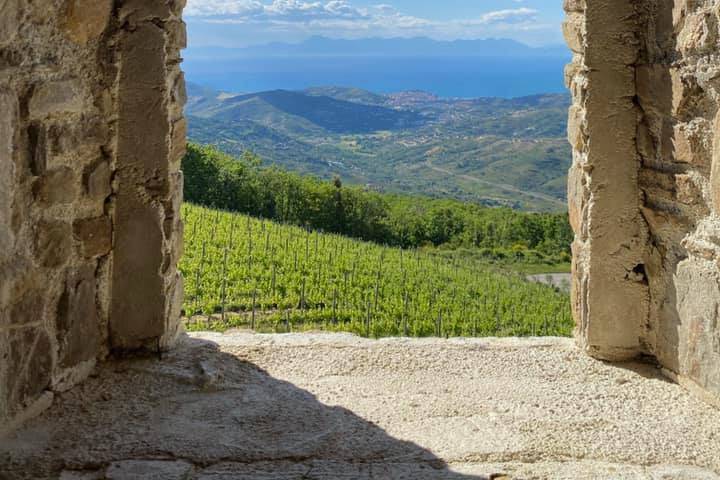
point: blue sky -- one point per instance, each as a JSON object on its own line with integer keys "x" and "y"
{"x": 238, "y": 23}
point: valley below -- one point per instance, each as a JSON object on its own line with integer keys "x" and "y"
{"x": 490, "y": 151}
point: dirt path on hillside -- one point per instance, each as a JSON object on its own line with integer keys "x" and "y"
{"x": 559, "y": 280}
{"x": 503, "y": 186}
{"x": 242, "y": 406}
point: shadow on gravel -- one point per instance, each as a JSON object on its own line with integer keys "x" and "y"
{"x": 646, "y": 367}
{"x": 202, "y": 413}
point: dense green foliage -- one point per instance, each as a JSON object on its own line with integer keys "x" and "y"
{"x": 243, "y": 185}
{"x": 492, "y": 151}
{"x": 279, "y": 278}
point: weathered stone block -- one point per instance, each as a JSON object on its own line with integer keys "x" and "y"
{"x": 654, "y": 88}
{"x": 50, "y": 98}
{"x": 573, "y": 30}
{"x": 678, "y": 14}
{"x": 578, "y": 287}
{"x": 698, "y": 302}
{"x": 177, "y": 6}
{"x": 173, "y": 205}
{"x": 572, "y": 69}
{"x": 21, "y": 280}
{"x": 36, "y": 14}
{"x": 78, "y": 322}
{"x": 98, "y": 180}
{"x": 5, "y": 407}
{"x": 576, "y": 198}
{"x": 646, "y": 143}
{"x": 136, "y": 274}
{"x": 140, "y": 266}
{"x": 28, "y": 309}
{"x": 8, "y": 119}
{"x": 699, "y": 33}
{"x": 609, "y": 295}
{"x": 94, "y": 236}
{"x": 173, "y": 326}
{"x": 85, "y": 135}
{"x": 177, "y": 33}
{"x": 137, "y": 261}
{"x": 688, "y": 191}
{"x": 9, "y": 20}
{"x": 86, "y": 20}
{"x": 665, "y": 139}
{"x": 179, "y": 90}
{"x": 690, "y": 143}
{"x": 715, "y": 171}
{"x": 574, "y": 6}
{"x": 56, "y": 187}
{"x": 53, "y": 243}
{"x": 179, "y": 143}
{"x": 658, "y": 188}
{"x": 174, "y": 228}
{"x": 143, "y": 132}
{"x": 30, "y": 357}
{"x": 576, "y": 133}
{"x": 143, "y": 11}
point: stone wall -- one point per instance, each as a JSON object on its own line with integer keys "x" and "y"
{"x": 644, "y": 191}
{"x": 91, "y": 136}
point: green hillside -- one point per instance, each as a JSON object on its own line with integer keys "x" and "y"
{"x": 243, "y": 272}
{"x": 495, "y": 234}
{"x": 357, "y": 95}
{"x": 325, "y": 113}
{"x": 495, "y": 152}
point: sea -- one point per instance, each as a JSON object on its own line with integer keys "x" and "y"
{"x": 457, "y": 77}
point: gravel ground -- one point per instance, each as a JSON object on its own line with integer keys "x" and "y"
{"x": 246, "y": 406}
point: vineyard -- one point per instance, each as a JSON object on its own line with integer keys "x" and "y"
{"x": 245, "y": 272}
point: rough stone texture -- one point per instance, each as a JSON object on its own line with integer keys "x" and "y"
{"x": 145, "y": 203}
{"x": 644, "y": 185}
{"x": 94, "y": 236}
{"x": 292, "y": 407}
{"x": 603, "y": 189}
{"x": 72, "y": 138}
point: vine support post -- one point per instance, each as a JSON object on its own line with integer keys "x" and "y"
{"x": 369, "y": 317}
{"x": 198, "y": 276}
{"x": 405, "y": 314}
{"x": 224, "y": 285}
{"x": 254, "y": 300}
{"x": 334, "y": 306}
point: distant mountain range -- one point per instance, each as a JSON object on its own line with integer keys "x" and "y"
{"x": 384, "y": 47}
{"x": 461, "y": 68}
{"x": 493, "y": 151}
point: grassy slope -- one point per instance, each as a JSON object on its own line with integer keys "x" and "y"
{"x": 293, "y": 280}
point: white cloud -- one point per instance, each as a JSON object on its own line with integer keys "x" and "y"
{"x": 295, "y": 10}
{"x": 340, "y": 18}
{"x": 206, "y": 8}
{"x": 516, "y": 15}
